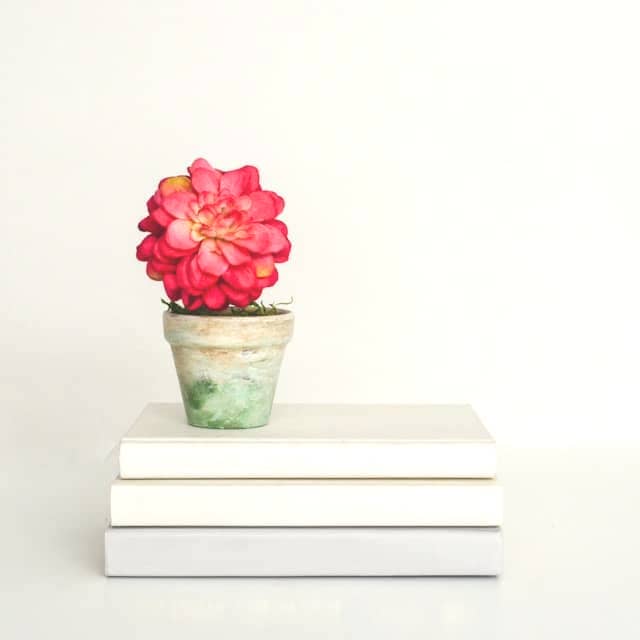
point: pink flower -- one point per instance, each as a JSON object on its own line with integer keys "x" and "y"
{"x": 213, "y": 238}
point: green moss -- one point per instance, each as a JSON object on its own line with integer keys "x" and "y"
{"x": 255, "y": 308}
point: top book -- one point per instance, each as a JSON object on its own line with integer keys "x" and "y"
{"x": 314, "y": 441}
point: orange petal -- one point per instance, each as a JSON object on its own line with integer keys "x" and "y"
{"x": 174, "y": 184}
{"x": 264, "y": 266}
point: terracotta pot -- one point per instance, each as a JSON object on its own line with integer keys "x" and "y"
{"x": 228, "y": 366}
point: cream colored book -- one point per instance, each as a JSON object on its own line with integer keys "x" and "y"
{"x": 306, "y": 503}
{"x": 314, "y": 441}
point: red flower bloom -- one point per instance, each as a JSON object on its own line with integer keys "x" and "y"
{"x": 213, "y": 238}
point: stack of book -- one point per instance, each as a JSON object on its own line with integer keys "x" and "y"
{"x": 321, "y": 491}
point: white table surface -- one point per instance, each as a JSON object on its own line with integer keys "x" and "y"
{"x": 572, "y": 562}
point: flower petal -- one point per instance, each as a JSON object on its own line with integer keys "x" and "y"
{"x": 234, "y": 255}
{"x": 278, "y": 202}
{"x": 153, "y": 202}
{"x": 145, "y": 249}
{"x": 270, "y": 280}
{"x": 206, "y": 199}
{"x": 162, "y": 251}
{"x": 255, "y": 237}
{"x": 152, "y": 273}
{"x": 214, "y": 298}
{"x": 160, "y": 267}
{"x": 199, "y": 279}
{"x": 277, "y": 240}
{"x": 149, "y": 225}
{"x": 191, "y": 302}
{"x": 265, "y": 205}
{"x": 210, "y": 261}
{"x": 242, "y": 277}
{"x": 181, "y": 204}
{"x": 160, "y": 216}
{"x": 156, "y": 269}
{"x": 179, "y": 235}
{"x": 206, "y": 180}
{"x": 200, "y": 163}
{"x": 182, "y": 275}
{"x": 171, "y": 286}
{"x": 239, "y": 298}
{"x": 263, "y": 266}
{"x": 174, "y": 184}
{"x": 283, "y": 255}
{"x": 278, "y": 224}
{"x": 239, "y": 181}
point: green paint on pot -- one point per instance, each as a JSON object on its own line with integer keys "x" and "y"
{"x": 240, "y": 403}
{"x": 197, "y": 394}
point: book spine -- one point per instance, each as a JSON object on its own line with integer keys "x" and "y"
{"x": 319, "y": 503}
{"x": 387, "y": 551}
{"x": 317, "y": 460}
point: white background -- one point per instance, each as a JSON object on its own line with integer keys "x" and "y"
{"x": 462, "y": 194}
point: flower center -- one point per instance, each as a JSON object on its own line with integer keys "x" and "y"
{"x": 219, "y": 221}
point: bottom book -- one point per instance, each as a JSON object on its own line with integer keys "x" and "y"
{"x": 303, "y": 551}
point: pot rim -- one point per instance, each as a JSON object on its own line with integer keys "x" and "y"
{"x": 196, "y": 317}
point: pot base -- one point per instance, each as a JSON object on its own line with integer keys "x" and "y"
{"x": 221, "y": 427}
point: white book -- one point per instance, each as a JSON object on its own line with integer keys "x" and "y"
{"x": 305, "y": 502}
{"x": 314, "y": 441}
{"x": 303, "y": 551}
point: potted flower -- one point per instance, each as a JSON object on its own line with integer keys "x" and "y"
{"x": 213, "y": 239}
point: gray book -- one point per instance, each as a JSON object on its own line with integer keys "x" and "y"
{"x": 303, "y": 551}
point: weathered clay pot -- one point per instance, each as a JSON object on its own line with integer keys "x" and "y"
{"x": 228, "y": 366}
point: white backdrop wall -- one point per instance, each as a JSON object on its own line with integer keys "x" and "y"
{"x": 462, "y": 194}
